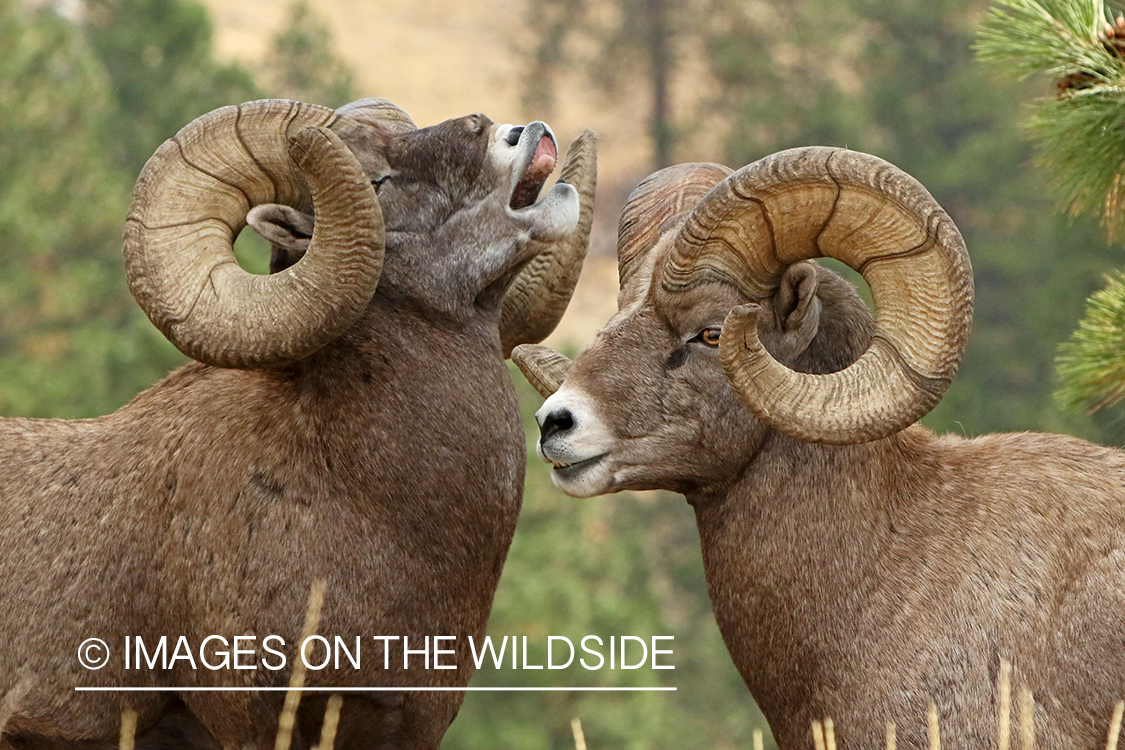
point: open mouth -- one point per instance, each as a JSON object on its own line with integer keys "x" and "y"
{"x": 535, "y": 174}
{"x": 567, "y": 471}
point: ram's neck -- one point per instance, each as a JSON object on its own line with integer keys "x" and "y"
{"x": 796, "y": 554}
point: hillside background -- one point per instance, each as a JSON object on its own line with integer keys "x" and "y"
{"x": 89, "y": 89}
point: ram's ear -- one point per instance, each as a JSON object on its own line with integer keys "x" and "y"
{"x": 286, "y": 229}
{"x": 796, "y": 310}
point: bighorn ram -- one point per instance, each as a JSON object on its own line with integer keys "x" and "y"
{"x": 860, "y": 567}
{"x": 350, "y": 418}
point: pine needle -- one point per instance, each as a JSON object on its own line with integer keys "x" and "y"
{"x": 1091, "y": 364}
{"x": 1055, "y": 38}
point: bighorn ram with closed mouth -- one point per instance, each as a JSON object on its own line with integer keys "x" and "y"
{"x": 860, "y": 567}
{"x": 349, "y": 418}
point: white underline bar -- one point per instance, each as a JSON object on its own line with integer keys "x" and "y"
{"x": 370, "y": 689}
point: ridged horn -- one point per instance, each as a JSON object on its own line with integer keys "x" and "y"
{"x": 543, "y": 367}
{"x": 378, "y": 113}
{"x": 660, "y": 203}
{"x": 537, "y": 298}
{"x": 822, "y": 202}
{"x": 190, "y": 202}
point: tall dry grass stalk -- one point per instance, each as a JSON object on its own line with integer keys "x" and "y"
{"x": 935, "y": 732}
{"x": 331, "y": 721}
{"x": 1027, "y": 719}
{"x": 579, "y": 737}
{"x": 297, "y": 678}
{"x": 1004, "y": 715}
{"x": 128, "y": 729}
{"x": 824, "y": 734}
{"x": 818, "y": 734}
{"x": 1115, "y": 727}
{"x": 758, "y": 743}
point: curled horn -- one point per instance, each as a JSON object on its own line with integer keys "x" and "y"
{"x": 823, "y": 202}
{"x": 543, "y": 367}
{"x": 190, "y": 202}
{"x": 537, "y": 298}
{"x": 659, "y": 204}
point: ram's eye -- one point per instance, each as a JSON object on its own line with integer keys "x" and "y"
{"x": 709, "y": 336}
{"x": 379, "y": 182}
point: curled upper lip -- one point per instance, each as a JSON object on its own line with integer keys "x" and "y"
{"x": 537, "y": 162}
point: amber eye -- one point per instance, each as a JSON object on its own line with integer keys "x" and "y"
{"x": 710, "y": 336}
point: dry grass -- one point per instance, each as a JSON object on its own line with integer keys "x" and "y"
{"x": 297, "y": 679}
{"x": 1115, "y": 726}
{"x": 579, "y": 737}
{"x": 935, "y": 730}
{"x": 824, "y": 735}
{"x": 128, "y": 729}
{"x": 331, "y": 721}
{"x": 1004, "y": 717}
{"x": 823, "y": 730}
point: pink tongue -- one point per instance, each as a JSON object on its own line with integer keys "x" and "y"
{"x": 543, "y": 163}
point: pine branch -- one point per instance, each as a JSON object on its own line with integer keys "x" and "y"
{"x": 1080, "y": 141}
{"x": 1092, "y": 364}
{"x": 1056, "y": 38}
{"x": 1080, "y": 134}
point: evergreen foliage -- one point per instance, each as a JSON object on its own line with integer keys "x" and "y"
{"x": 1052, "y": 37}
{"x": 73, "y": 342}
{"x": 1092, "y": 363}
{"x": 621, "y": 47}
{"x": 1065, "y": 42}
{"x": 160, "y": 60}
{"x": 1078, "y": 135}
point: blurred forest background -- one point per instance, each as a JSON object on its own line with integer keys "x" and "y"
{"x": 90, "y": 88}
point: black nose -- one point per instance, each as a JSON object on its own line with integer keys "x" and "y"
{"x": 560, "y": 420}
{"x": 514, "y": 136}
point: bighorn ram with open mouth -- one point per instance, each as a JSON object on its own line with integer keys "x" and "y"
{"x": 349, "y": 418}
{"x": 860, "y": 567}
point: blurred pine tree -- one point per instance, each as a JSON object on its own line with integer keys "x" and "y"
{"x": 162, "y": 71}
{"x": 302, "y": 65}
{"x": 897, "y": 78}
{"x": 73, "y": 341}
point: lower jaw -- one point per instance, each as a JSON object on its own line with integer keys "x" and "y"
{"x": 577, "y": 479}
